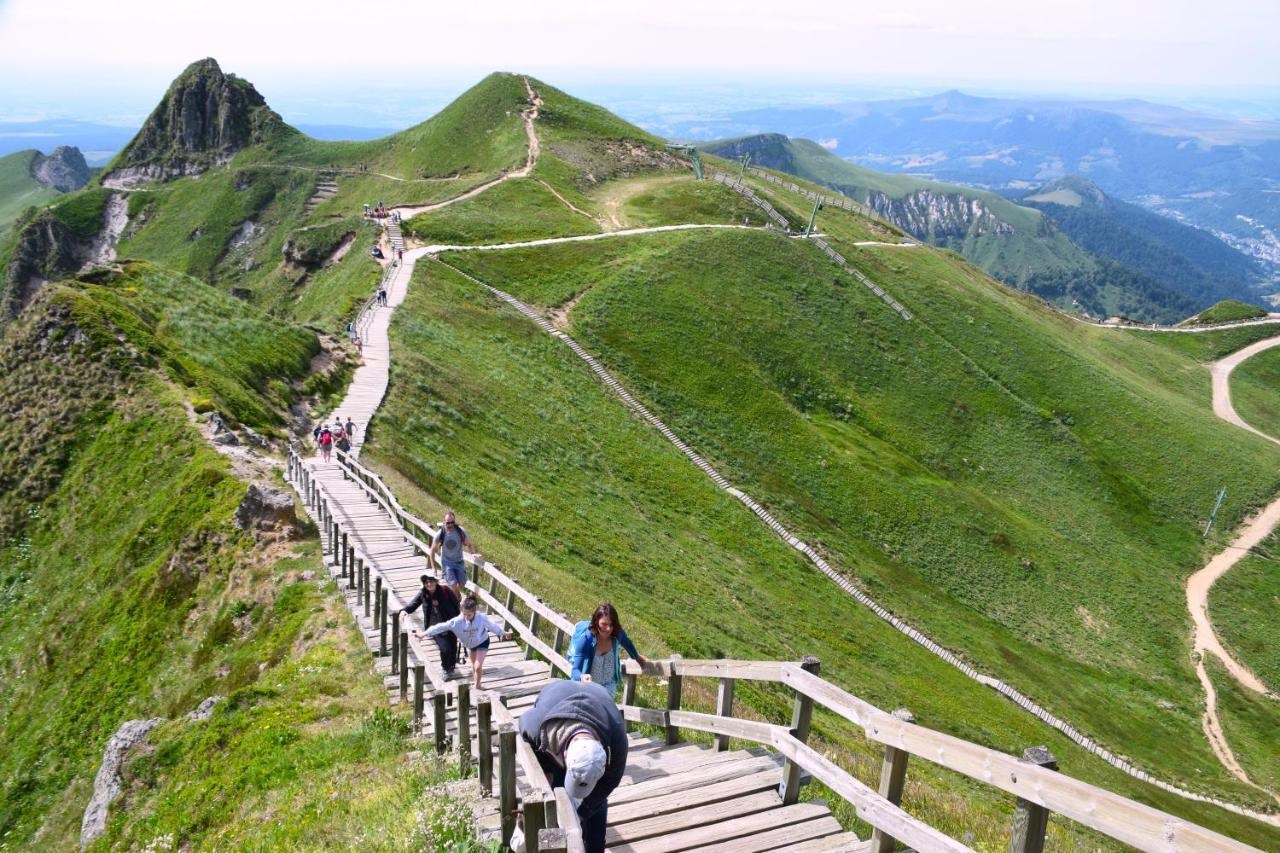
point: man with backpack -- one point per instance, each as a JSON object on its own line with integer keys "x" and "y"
{"x": 449, "y": 542}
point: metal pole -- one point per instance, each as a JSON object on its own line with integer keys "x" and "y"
{"x": 1216, "y": 506}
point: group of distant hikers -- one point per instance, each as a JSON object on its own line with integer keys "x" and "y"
{"x": 575, "y": 726}
{"x": 339, "y": 435}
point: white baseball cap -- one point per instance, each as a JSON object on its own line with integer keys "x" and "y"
{"x": 584, "y": 762}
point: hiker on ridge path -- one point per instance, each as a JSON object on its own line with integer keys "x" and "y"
{"x": 594, "y": 649}
{"x": 439, "y": 605}
{"x": 326, "y": 443}
{"x": 580, "y": 739}
{"x": 450, "y": 541}
{"x": 473, "y": 629}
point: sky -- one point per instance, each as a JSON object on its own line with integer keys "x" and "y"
{"x": 105, "y": 61}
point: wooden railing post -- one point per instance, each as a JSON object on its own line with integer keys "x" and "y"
{"x": 365, "y": 572}
{"x": 535, "y": 817}
{"x": 724, "y": 708}
{"x": 404, "y": 666}
{"x": 419, "y": 676}
{"x": 511, "y": 598}
{"x": 484, "y": 732}
{"x": 893, "y": 775}
{"x": 464, "y": 727}
{"x": 353, "y": 581}
{"x": 673, "y": 699}
{"x": 383, "y": 600}
{"x": 628, "y": 688}
{"x": 507, "y": 779}
{"x": 801, "y": 717}
{"x": 1030, "y": 821}
{"x": 344, "y": 553}
{"x": 535, "y": 619}
{"x": 395, "y": 642}
{"x": 439, "y": 720}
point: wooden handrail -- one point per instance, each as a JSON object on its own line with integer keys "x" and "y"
{"x": 567, "y": 817}
{"x": 1116, "y": 816}
{"x": 1126, "y": 820}
{"x": 868, "y": 803}
{"x": 537, "y": 606}
{"x": 515, "y": 625}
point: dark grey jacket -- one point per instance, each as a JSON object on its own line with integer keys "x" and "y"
{"x": 591, "y": 705}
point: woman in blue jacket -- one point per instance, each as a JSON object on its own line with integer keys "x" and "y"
{"x": 594, "y": 652}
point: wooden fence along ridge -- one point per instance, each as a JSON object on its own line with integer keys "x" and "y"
{"x": 361, "y": 520}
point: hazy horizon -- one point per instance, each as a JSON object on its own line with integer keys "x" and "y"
{"x": 316, "y": 65}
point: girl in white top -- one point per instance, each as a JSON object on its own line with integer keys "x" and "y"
{"x": 473, "y": 629}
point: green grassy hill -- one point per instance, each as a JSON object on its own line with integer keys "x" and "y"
{"x": 126, "y": 592}
{"x": 1026, "y": 488}
{"x": 18, "y": 189}
{"x": 1180, "y": 258}
{"x": 994, "y": 459}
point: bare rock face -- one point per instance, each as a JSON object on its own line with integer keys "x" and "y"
{"x": 65, "y": 169}
{"x": 106, "y": 785}
{"x": 204, "y": 118}
{"x": 931, "y": 215}
{"x": 265, "y": 508}
{"x": 46, "y": 250}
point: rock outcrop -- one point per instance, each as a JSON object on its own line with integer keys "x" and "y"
{"x": 107, "y": 784}
{"x": 46, "y": 250}
{"x": 931, "y": 215}
{"x": 204, "y": 118}
{"x": 267, "y": 508}
{"x": 64, "y": 170}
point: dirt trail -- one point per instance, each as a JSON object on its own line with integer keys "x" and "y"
{"x": 531, "y": 159}
{"x": 1204, "y": 639}
{"x": 565, "y": 201}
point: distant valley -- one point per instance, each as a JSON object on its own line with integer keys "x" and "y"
{"x": 1219, "y": 174}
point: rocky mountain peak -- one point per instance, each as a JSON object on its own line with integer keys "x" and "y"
{"x": 203, "y": 119}
{"x": 65, "y": 169}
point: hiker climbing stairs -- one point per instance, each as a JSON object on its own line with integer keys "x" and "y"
{"x": 326, "y": 188}
{"x": 676, "y": 795}
{"x": 394, "y": 237}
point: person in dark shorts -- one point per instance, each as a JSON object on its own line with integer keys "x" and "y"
{"x": 439, "y": 605}
{"x": 450, "y": 542}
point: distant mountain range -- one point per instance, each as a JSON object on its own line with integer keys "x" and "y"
{"x": 1068, "y": 241}
{"x": 1222, "y": 174}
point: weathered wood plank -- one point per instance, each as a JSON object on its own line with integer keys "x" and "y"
{"x": 738, "y": 829}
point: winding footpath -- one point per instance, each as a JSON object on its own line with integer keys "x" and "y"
{"x": 1204, "y": 639}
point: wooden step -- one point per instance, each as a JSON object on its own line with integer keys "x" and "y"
{"x": 754, "y": 832}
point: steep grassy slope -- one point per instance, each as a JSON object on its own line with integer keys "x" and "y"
{"x": 1014, "y": 243}
{"x": 127, "y": 592}
{"x": 1243, "y": 604}
{"x": 519, "y": 209}
{"x": 18, "y": 189}
{"x": 479, "y": 132}
{"x": 1254, "y": 387}
{"x": 992, "y": 459}
{"x": 560, "y": 485}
